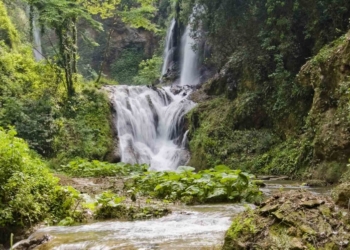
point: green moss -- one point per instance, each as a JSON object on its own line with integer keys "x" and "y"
{"x": 216, "y": 136}
{"x": 288, "y": 158}
{"x": 328, "y": 51}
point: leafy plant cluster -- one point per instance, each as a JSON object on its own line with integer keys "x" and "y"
{"x": 220, "y": 184}
{"x": 85, "y": 168}
{"x": 29, "y": 193}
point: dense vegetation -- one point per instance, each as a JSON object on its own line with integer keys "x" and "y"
{"x": 220, "y": 184}
{"x": 29, "y": 192}
{"x": 278, "y": 105}
{"x": 60, "y": 115}
{"x": 269, "y": 90}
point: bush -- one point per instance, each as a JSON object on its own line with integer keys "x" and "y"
{"x": 84, "y": 129}
{"x": 149, "y": 72}
{"x": 29, "y": 192}
{"x": 85, "y": 168}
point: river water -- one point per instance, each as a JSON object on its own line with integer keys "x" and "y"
{"x": 196, "y": 227}
{"x": 188, "y": 227}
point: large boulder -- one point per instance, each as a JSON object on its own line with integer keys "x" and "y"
{"x": 290, "y": 220}
{"x": 341, "y": 195}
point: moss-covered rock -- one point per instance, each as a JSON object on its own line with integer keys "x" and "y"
{"x": 341, "y": 195}
{"x": 328, "y": 120}
{"x": 297, "y": 127}
{"x": 227, "y": 132}
{"x": 130, "y": 213}
{"x": 291, "y": 220}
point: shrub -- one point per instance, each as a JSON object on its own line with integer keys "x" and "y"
{"x": 149, "y": 72}
{"x": 84, "y": 128}
{"x": 84, "y": 168}
{"x": 29, "y": 192}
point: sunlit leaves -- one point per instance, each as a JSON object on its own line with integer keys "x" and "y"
{"x": 213, "y": 185}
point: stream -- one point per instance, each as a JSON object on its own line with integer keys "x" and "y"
{"x": 188, "y": 227}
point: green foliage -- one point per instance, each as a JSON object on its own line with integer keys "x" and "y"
{"x": 288, "y": 158}
{"x": 28, "y": 97}
{"x": 125, "y": 68}
{"x": 84, "y": 129}
{"x": 292, "y": 30}
{"x": 33, "y": 101}
{"x": 29, "y": 193}
{"x": 149, "y": 71}
{"x": 62, "y": 17}
{"x": 214, "y": 185}
{"x": 84, "y": 168}
{"x": 224, "y": 131}
{"x": 8, "y": 33}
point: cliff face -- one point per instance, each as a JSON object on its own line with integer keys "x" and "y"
{"x": 302, "y": 132}
{"x": 329, "y": 76}
{"x": 142, "y": 43}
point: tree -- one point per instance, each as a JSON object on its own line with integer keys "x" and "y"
{"x": 62, "y": 16}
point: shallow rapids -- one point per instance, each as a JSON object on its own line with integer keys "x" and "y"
{"x": 199, "y": 227}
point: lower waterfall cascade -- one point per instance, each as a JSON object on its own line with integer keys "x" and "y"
{"x": 150, "y": 124}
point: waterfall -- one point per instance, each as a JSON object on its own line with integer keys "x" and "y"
{"x": 189, "y": 65}
{"x": 169, "y": 47}
{"x": 150, "y": 125}
{"x": 38, "y": 52}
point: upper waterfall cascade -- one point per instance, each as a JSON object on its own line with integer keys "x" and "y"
{"x": 149, "y": 120}
{"x": 38, "y": 52}
{"x": 169, "y": 47}
{"x": 189, "y": 64}
{"x": 150, "y": 125}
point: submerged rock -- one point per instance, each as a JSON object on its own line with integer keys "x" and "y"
{"x": 290, "y": 220}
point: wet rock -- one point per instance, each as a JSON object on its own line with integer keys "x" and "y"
{"x": 290, "y": 220}
{"x": 259, "y": 183}
{"x": 316, "y": 183}
{"x": 273, "y": 178}
{"x": 32, "y": 243}
{"x": 312, "y": 203}
{"x": 341, "y": 195}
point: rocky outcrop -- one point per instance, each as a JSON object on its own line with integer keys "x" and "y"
{"x": 341, "y": 195}
{"x": 291, "y": 220}
{"x": 328, "y": 120}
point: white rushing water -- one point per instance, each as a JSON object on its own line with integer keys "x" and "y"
{"x": 189, "y": 64}
{"x": 150, "y": 125}
{"x": 38, "y": 51}
{"x": 199, "y": 227}
{"x": 169, "y": 47}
